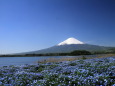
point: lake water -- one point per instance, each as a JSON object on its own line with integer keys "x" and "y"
{"x": 6, "y": 61}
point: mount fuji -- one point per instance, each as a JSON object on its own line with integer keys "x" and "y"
{"x": 70, "y": 45}
{"x": 70, "y": 41}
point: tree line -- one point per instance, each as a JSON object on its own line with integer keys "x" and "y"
{"x": 73, "y": 53}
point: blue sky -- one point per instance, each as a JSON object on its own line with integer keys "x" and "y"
{"x": 27, "y": 25}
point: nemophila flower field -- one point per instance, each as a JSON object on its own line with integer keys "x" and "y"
{"x": 89, "y": 72}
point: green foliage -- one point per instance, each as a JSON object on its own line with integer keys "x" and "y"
{"x": 37, "y": 69}
{"x": 78, "y": 73}
{"x": 84, "y": 58}
{"x": 72, "y": 64}
{"x": 40, "y": 68}
{"x": 112, "y": 50}
{"x": 80, "y": 52}
{"x": 67, "y": 72}
{"x": 81, "y": 61}
{"x": 53, "y": 66}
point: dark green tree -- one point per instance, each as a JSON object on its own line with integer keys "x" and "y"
{"x": 80, "y": 52}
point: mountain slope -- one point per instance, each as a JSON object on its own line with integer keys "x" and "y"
{"x": 69, "y": 48}
{"x": 70, "y": 45}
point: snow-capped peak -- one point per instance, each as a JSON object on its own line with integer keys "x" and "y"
{"x": 70, "y": 41}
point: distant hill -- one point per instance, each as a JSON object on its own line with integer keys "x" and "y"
{"x": 70, "y": 45}
{"x": 69, "y": 48}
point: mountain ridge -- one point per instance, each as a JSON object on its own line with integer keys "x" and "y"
{"x": 68, "y": 46}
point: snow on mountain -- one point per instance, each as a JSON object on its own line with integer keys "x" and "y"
{"x": 70, "y": 41}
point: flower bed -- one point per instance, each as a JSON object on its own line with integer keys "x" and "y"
{"x": 89, "y": 72}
